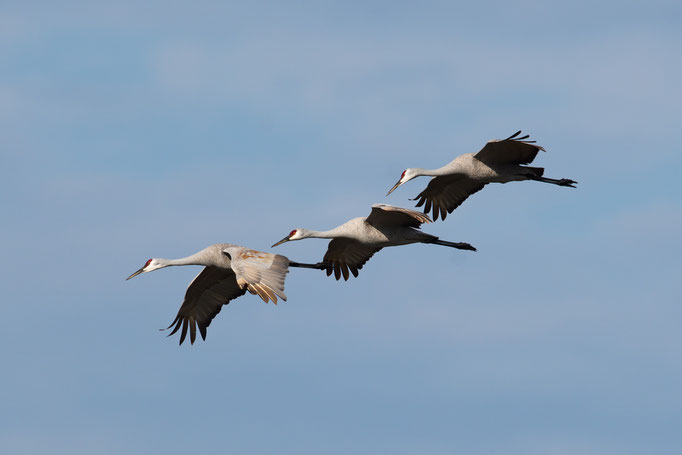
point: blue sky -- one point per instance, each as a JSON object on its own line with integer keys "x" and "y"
{"x": 133, "y": 131}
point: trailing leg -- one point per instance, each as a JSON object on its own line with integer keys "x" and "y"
{"x": 560, "y": 182}
{"x": 318, "y": 266}
{"x": 458, "y": 245}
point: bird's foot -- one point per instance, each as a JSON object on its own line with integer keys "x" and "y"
{"x": 465, "y": 246}
{"x": 567, "y": 182}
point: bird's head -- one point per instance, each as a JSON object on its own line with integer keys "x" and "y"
{"x": 149, "y": 266}
{"x": 296, "y": 234}
{"x": 406, "y": 176}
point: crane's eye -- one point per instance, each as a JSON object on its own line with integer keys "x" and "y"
{"x": 147, "y": 263}
{"x": 292, "y": 233}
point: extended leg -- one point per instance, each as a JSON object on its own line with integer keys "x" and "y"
{"x": 319, "y": 265}
{"x": 560, "y": 182}
{"x": 458, "y": 245}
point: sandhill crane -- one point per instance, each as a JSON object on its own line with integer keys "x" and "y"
{"x": 230, "y": 271}
{"x": 498, "y": 161}
{"x": 354, "y": 242}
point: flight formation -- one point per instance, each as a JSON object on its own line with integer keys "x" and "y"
{"x": 231, "y": 270}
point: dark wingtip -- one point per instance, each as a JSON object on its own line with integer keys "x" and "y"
{"x": 192, "y": 332}
{"x": 513, "y": 135}
{"x": 171, "y": 324}
{"x": 177, "y": 321}
{"x": 183, "y": 334}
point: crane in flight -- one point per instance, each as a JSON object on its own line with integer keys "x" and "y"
{"x": 499, "y": 161}
{"x": 230, "y": 271}
{"x": 354, "y": 242}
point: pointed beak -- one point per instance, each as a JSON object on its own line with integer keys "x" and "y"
{"x": 394, "y": 187}
{"x": 285, "y": 239}
{"x": 135, "y": 274}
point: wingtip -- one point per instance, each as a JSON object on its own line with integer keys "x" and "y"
{"x": 513, "y": 135}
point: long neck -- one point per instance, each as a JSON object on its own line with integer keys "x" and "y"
{"x": 195, "y": 259}
{"x": 431, "y": 172}
{"x": 330, "y": 234}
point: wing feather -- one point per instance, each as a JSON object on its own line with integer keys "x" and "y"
{"x": 212, "y": 288}
{"x": 513, "y": 150}
{"x": 347, "y": 255}
{"x": 264, "y": 273}
{"x": 445, "y": 193}
{"x": 264, "y": 292}
{"x": 259, "y": 292}
{"x": 384, "y": 214}
{"x": 185, "y": 323}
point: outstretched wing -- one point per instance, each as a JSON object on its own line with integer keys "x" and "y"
{"x": 444, "y": 194}
{"x": 384, "y": 214}
{"x": 346, "y": 254}
{"x": 260, "y": 273}
{"x": 205, "y": 296}
{"x": 513, "y": 150}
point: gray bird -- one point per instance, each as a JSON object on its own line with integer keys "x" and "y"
{"x": 354, "y": 242}
{"x": 499, "y": 161}
{"x": 230, "y": 271}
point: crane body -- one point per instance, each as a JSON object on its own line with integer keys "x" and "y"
{"x": 229, "y": 272}
{"x": 354, "y": 242}
{"x": 499, "y": 161}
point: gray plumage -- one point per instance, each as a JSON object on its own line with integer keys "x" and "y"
{"x": 230, "y": 271}
{"x": 354, "y": 242}
{"x": 499, "y": 161}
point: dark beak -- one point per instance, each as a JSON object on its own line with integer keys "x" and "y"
{"x": 135, "y": 274}
{"x": 394, "y": 187}
{"x": 285, "y": 239}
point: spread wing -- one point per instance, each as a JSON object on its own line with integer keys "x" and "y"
{"x": 444, "y": 194}
{"x": 205, "y": 296}
{"x": 384, "y": 214}
{"x": 513, "y": 150}
{"x": 260, "y": 273}
{"x": 346, "y": 254}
